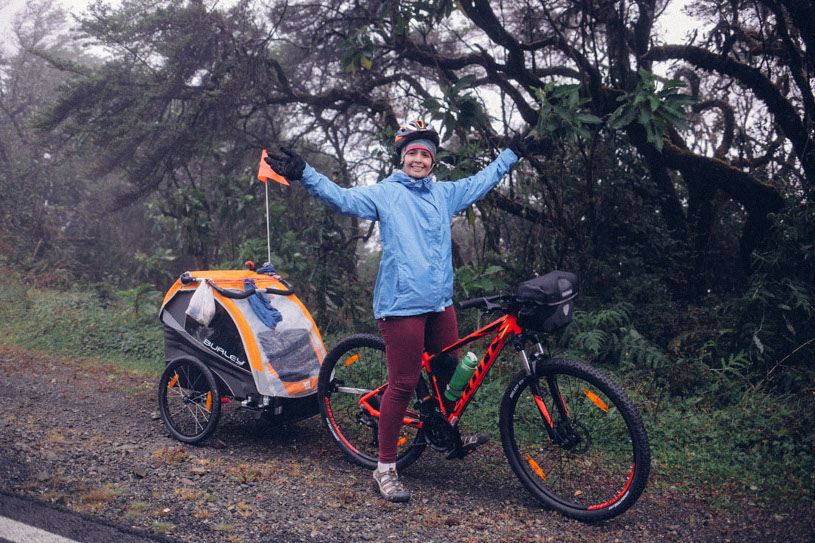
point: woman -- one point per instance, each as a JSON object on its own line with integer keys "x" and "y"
{"x": 414, "y": 287}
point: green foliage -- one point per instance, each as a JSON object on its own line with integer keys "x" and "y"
{"x": 562, "y": 112}
{"x": 653, "y": 109}
{"x": 608, "y": 336}
{"x": 422, "y": 12}
{"x": 461, "y": 162}
{"x": 155, "y": 265}
{"x": 141, "y": 302}
{"x": 456, "y": 109}
{"x": 774, "y": 320}
{"x": 358, "y": 51}
{"x": 478, "y": 280}
{"x": 761, "y": 442}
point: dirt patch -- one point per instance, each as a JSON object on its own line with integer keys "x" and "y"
{"x": 87, "y": 436}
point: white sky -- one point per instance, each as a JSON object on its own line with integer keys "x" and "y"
{"x": 673, "y": 22}
{"x": 11, "y": 8}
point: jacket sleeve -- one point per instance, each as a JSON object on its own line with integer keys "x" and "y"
{"x": 354, "y": 201}
{"x": 465, "y": 192}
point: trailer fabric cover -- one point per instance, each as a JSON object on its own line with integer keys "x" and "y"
{"x": 284, "y": 359}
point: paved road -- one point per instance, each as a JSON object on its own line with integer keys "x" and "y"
{"x": 23, "y": 520}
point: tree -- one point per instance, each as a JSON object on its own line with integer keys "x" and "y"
{"x": 192, "y": 91}
{"x": 42, "y": 220}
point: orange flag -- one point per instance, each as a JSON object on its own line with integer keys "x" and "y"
{"x": 265, "y": 172}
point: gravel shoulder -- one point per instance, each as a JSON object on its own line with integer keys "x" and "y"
{"x": 86, "y": 435}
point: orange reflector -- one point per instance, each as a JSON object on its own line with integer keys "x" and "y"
{"x": 351, "y": 360}
{"x": 173, "y": 381}
{"x": 209, "y": 401}
{"x": 534, "y": 465}
{"x": 402, "y": 441}
{"x": 596, "y": 400}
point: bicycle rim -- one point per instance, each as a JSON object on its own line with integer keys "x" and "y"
{"x": 351, "y": 371}
{"x": 188, "y": 400}
{"x": 601, "y": 466}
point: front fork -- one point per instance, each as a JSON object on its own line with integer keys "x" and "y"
{"x": 561, "y": 434}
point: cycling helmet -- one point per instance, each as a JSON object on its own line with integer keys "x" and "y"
{"x": 414, "y": 130}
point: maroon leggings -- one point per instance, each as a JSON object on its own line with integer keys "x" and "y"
{"x": 405, "y": 340}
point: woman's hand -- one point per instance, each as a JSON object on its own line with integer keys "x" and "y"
{"x": 525, "y": 145}
{"x": 291, "y": 167}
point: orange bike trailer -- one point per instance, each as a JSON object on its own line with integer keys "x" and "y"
{"x": 259, "y": 348}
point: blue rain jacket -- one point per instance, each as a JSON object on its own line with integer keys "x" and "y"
{"x": 416, "y": 271}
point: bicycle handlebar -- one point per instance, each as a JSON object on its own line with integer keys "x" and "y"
{"x": 235, "y": 294}
{"x": 485, "y": 302}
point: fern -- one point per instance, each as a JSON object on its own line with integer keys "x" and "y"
{"x": 593, "y": 341}
{"x": 609, "y": 336}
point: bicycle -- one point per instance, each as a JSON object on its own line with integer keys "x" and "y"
{"x": 571, "y": 435}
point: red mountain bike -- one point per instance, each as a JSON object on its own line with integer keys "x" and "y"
{"x": 571, "y": 435}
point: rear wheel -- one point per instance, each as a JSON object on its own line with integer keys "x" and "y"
{"x": 597, "y": 463}
{"x": 353, "y": 368}
{"x": 188, "y": 400}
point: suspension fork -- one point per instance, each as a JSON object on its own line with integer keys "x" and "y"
{"x": 530, "y": 366}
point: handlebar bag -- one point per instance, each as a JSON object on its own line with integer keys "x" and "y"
{"x": 546, "y": 302}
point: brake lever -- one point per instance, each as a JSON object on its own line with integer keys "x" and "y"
{"x": 489, "y": 307}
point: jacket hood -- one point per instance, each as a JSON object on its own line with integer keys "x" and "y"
{"x": 399, "y": 176}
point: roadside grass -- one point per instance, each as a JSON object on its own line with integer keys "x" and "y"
{"x": 82, "y": 323}
{"x": 137, "y": 510}
{"x": 163, "y": 527}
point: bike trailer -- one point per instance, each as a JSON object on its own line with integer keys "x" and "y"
{"x": 262, "y": 348}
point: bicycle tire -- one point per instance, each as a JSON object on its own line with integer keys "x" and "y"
{"x": 188, "y": 400}
{"x": 603, "y": 471}
{"x": 358, "y": 362}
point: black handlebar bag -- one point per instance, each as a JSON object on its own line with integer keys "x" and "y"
{"x": 547, "y": 302}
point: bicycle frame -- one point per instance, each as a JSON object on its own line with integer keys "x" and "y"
{"x": 503, "y": 328}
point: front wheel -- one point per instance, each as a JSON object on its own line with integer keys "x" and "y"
{"x": 188, "y": 400}
{"x": 354, "y": 368}
{"x": 591, "y": 461}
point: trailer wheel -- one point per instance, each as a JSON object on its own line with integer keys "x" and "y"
{"x": 188, "y": 400}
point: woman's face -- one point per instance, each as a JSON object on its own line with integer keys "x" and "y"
{"x": 418, "y": 162}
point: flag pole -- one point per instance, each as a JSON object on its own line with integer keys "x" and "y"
{"x": 268, "y": 231}
{"x": 265, "y": 172}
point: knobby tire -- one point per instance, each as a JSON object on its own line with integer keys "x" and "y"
{"x": 357, "y": 364}
{"x": 603, "y": 466}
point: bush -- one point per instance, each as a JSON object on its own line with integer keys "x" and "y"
{"x": 83, "y": 322}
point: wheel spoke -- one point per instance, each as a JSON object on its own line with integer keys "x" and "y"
{"x": 594, "y": 462}
{"x": 188, "y": 400}
{"x": 351, "y": 372}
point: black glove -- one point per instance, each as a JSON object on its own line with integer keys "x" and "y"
{"x": 291, "y": 167}
{"x": 522, "y": 145}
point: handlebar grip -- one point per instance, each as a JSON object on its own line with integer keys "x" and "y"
{"x": 475, "y": 302}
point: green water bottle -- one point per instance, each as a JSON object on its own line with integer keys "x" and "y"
{"x": 464, "y": 370}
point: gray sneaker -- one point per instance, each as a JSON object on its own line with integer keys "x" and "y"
{"x": 390, "y": 486}
{"x": 471, "y": 441}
